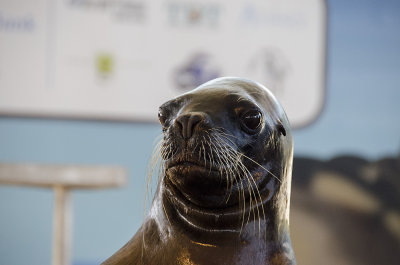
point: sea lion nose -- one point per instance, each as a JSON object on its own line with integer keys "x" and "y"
{"x": 187, "y": 123}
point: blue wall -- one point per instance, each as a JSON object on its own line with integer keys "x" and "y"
{"x": 361, "y": 116}
{"x": 363, "y": 83}
{"x": 103, "y": 220}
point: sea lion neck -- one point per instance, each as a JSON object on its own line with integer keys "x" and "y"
{"x": 219, "y": 226}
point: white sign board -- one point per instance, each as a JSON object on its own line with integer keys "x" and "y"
{"x": 121, "y": 59}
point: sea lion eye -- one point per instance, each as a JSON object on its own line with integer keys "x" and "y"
{"x": 161, "y": 117}
{"x": 251, "y": 119}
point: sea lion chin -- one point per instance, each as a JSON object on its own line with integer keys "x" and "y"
{"x": 224, "y": 191}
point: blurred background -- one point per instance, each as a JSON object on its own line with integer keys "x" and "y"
{"x": 346, "y": 178}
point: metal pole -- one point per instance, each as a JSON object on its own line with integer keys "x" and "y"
{"x": 62, "y": 226}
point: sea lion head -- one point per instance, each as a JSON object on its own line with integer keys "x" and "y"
{"x": 223, "y": 195}
{"x": 227, "y": 157}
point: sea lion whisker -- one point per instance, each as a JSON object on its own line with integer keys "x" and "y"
{"x": 251, "y": 193}
{"x": 229, "y": 171}
{"x": 223, "y": 138}
{"x": 221, "y": 165}
{"x": 166, "y": 146}
{"x": 225, "y": 134}
{"x": 155, "y": 159}
{"x": 207, "y": 143}
{"x": 227, "y": 159}
{"x": 223, "y": 162}
{"x": 231, "y": 176}
{"x": 195, "y": 147}
{"x": 262, "y": 167}
{"x": 204, "y": 150}
{"x": 251, "y": 182}
{"x": 241, "y": 192}
{"x": 199, "y": 153}
{"x": 210, "y": 144}
{"x": 158, "y": 139}
{"x": 250, "y": 177}
{"x": 229, "y": 152}
{"x": 165, "y": 211}
{"x": 218, "y": 129}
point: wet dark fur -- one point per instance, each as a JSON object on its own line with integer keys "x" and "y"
{"x": 224, "y": 190}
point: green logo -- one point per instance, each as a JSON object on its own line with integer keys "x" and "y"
{"x": 104, "y": 64}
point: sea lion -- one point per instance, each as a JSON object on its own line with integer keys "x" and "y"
{"x": 223, "y": 195}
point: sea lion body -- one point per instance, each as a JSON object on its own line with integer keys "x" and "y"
{"x": 223, "y": 197}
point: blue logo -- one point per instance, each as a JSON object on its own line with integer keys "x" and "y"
{"x": 17, "y": 23}
{"x": 198, "y": 70}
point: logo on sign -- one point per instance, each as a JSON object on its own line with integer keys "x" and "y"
{"x": 121, "y": 9}
{"x": 198, "y": 70}
{"x": 269, "y": 66}
{"x": 104, "y": 64}
{"x": 258, "y": 16}
{"x": 16, "y": 23}
{"x": 193, "y": 14}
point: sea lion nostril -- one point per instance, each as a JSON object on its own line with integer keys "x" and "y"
{"x": 187, "y": 124}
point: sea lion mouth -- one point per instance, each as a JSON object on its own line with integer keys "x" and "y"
{"x": 209, "y": 188}
{"x": 189, "y": 163}
{"x": 201, "y": 183}
{"x": 180, "y": 198}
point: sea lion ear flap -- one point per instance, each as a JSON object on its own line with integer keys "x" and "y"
{"x": 281, "y": 129}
